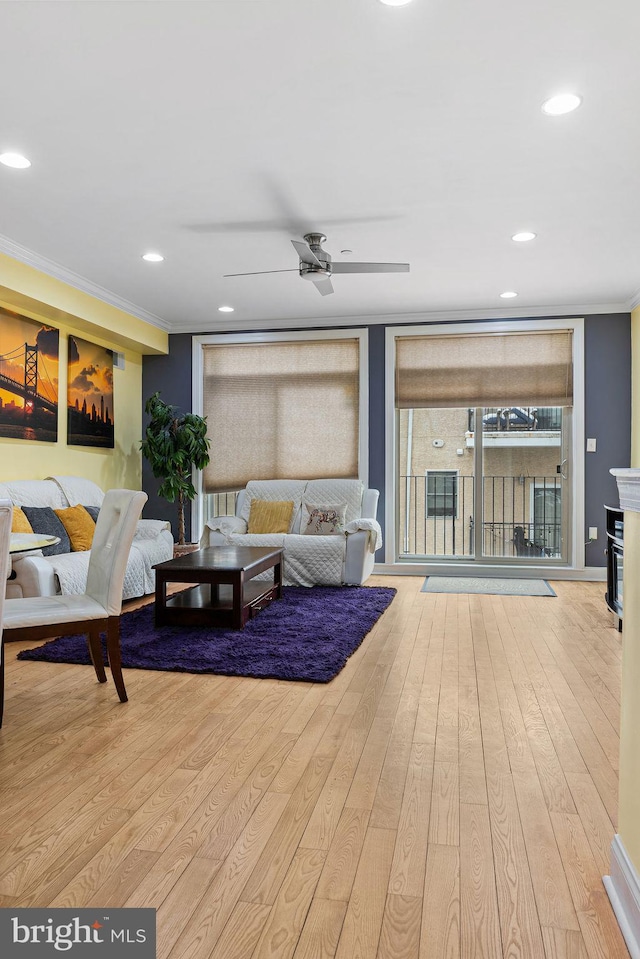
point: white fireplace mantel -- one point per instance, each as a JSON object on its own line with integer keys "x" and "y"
{"x": 628, "y": 481}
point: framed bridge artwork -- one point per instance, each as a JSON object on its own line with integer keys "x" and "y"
{"x": 28, "y": 378}
{"x": 89, "y": 394}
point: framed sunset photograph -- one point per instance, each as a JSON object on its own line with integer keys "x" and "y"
{"x": 89, "y": 394}
{"x": 28, "y": 378}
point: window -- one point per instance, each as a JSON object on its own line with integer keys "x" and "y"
{"x": 442, "y": 493}
{"x": 282, "y": 406}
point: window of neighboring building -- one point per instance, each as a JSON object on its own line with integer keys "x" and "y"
{"x": 442, "y": 493}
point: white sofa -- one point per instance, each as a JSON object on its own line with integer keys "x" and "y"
{"x": 36, "y": 574}
{"x": 346, "y": 558}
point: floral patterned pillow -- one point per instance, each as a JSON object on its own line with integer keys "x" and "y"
{"x": 323, "y": 520}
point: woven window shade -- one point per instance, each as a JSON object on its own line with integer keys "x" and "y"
{"x": 283, "y": 410}
{"x": 494, "y": 369}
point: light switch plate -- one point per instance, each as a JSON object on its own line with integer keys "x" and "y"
{"x": 591, "y": 445}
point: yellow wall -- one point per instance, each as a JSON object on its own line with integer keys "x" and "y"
{"x": 44, "y": 298}
{"x": 629, "y": 801}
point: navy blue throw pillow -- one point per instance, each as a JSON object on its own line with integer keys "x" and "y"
{"x": 43, "y": 520}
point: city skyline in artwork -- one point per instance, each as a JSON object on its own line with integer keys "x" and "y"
{"x": 29, "y": 375}
{"x": 89, "y": 394}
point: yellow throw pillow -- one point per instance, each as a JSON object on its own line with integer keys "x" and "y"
{"x": 19, "y": 522}
{"x": 79, "y": 526}
{"x": 270, "y": 517}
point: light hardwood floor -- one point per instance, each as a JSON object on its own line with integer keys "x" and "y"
{"x": 452, "y": 793}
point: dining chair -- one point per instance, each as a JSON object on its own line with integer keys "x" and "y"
{"x": 98, "y": 609}
{"x": 6, "y": 515}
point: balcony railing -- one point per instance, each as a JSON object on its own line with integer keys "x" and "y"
{"x": 518, "y": 418}
{"x": 521, "y": 516}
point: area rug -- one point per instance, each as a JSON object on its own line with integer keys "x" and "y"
{"x": 307, "y": 635}
{"x": 487, "y": 584}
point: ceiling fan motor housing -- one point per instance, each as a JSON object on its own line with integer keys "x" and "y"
{"x": 311, "y": 271}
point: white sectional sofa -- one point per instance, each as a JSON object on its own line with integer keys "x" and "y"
{"x": 38, "y": 574}
{"x": 343, "y": 558}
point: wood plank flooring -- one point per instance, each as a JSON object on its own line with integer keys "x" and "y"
{"x": 451, "y": 794}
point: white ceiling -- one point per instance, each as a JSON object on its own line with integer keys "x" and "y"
{"x": 217, "y": 131}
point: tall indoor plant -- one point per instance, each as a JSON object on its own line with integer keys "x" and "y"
{"x": 174, "y": 445}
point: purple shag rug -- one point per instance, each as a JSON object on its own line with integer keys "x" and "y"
{"x": 307, "y": 635}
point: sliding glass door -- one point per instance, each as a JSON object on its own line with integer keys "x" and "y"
{"x": 519, "y": 510}
{"x": 525, "y": 490}
{"x": 487, "y": 480}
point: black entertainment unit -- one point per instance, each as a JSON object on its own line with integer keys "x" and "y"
{"x": 615, "y": 560}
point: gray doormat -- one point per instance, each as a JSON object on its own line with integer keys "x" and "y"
{"x": 487, "y": 584}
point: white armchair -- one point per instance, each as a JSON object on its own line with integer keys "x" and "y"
{"x": 344, "y": 557}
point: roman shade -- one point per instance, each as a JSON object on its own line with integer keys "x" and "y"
{"x": 490, "y": 369}
{"x": 282, "y": 409}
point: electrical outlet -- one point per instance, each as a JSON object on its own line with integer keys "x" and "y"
{"x": 591, "y": 445}
{"x": 593, "y": 532}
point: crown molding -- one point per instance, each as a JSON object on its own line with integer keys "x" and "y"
{"x": 220, "y": 325}
{"x": 59, "y": 272}
{"x": 227, "y": 325}
{"x": 634, "y": 301}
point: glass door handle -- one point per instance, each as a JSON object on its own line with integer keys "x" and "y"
{"x": 563, "y": 469}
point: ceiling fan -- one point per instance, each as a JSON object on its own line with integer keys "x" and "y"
{"x": 316, "y": 265}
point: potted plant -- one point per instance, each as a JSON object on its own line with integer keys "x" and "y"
{"x": 174, "y": 445}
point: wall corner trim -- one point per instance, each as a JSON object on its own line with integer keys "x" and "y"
{"x": 623, "y": 888}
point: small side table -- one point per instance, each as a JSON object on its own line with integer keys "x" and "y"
{"x": 26, "y": 542}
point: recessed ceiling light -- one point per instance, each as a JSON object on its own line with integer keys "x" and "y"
{"x": 508, "y": 295}
{"x": 395, "y": 3}
{"x": 346, "y": 252}
{"x": 562, "y": 103}
{"x": 523, "y": 237}
{"x": 225, "y": 309}
{"x": 153, "y": 257}
{"x": 15, "y": 160}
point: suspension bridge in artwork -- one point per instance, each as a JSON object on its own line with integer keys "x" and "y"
{"x": 26, "y": 387}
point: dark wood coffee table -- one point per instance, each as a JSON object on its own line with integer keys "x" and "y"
{"x": 226, "y": 593}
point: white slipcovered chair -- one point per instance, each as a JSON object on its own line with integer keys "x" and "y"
{"x": 6, "y": 513}
{"x": 99, "y": 608}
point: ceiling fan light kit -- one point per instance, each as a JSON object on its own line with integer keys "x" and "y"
{"x": 315, "y": 264}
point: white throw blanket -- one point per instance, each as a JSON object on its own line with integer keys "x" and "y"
{"x": 79, "y": 490}
{"x": 139, "y": 578}
{"x": 375, "y": 531}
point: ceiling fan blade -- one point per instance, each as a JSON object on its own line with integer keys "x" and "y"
{"x": 259, "y": 272}
{"x": 305, "y": 254}
{"x": 347, "y": 267}
{"x": 323, "y": 286}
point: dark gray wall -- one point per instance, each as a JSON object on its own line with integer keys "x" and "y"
{"x": 169, "y": 375}
{"x": 607, "y": 414}
{"x": 607, "y": 378}
{"x": 377, "y": 420}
